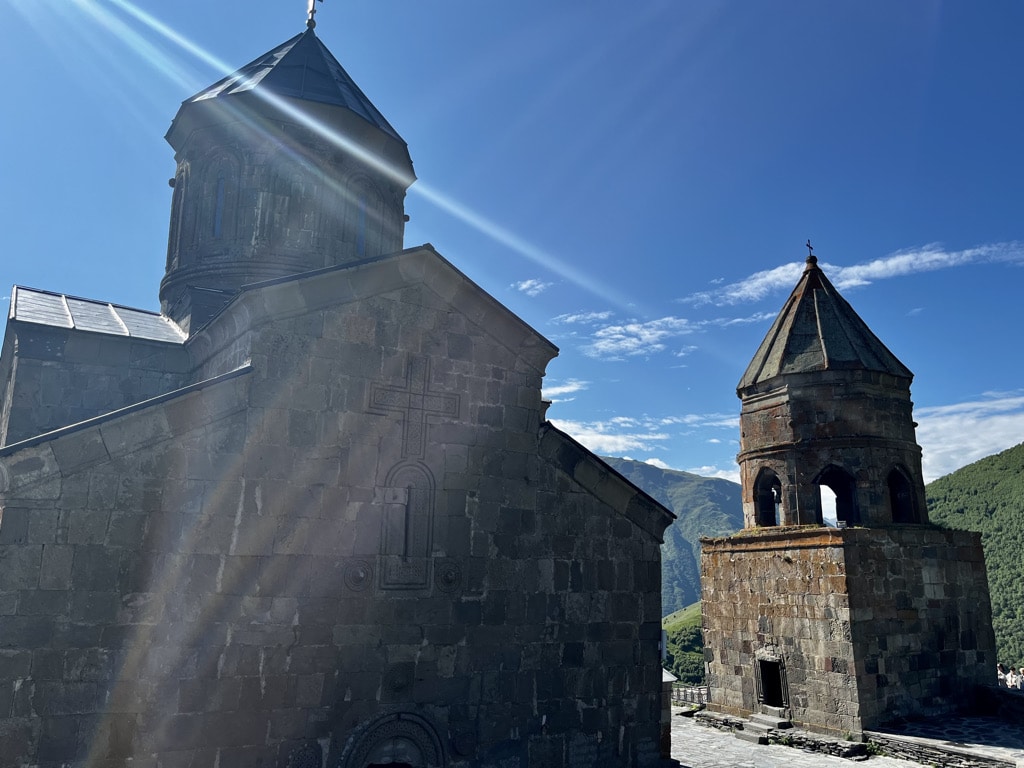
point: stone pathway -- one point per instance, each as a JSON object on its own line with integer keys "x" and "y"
{"x": 697, "y": 746}
{"x": 976, "y": 735}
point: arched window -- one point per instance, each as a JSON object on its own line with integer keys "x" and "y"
{"x": 901, "y": 498}
{"x": 844, "y": 486}
{"x": 768, "y": 498}
{"x": 218, "y": 206}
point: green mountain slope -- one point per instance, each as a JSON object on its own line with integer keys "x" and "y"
{"x": 684, "y": 652}
{"x": 704, "y": 506}
{"x": 988, "y": 496}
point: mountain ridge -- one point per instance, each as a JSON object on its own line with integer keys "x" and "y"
{"x": 704, "y": 506}
{"x": 988, "y": 497}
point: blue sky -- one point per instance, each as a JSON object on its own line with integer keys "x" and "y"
{"x": 635, "y": 180}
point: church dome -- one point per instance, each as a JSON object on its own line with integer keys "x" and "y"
{"x": 283, "y": 167}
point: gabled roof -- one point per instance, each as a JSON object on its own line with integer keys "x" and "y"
{"x": 604, "y": 481}
{"x": 29, "y": 305}
{"x": 817, "y": 330}
{"x": 298, "y": 294}
{"x": 300, "y": 68}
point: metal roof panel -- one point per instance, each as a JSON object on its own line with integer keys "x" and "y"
{"x": 30, "y": 305}
{"x": 40, "y": 307}
{"x": 302, "y": 68}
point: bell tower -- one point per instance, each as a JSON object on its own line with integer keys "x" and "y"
{"x": 284, "y": 166}
{"x": 837, "y": 626}
{"x": 825, "y": 403}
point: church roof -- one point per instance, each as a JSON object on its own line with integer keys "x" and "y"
{"x": 29, "y": 305}
{"x": 817, "y": 330}
{"x": 300, "y": 68}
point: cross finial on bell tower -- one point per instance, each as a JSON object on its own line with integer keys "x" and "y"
{"x": 811, "y": 258}
{"x": 311, "y": 14}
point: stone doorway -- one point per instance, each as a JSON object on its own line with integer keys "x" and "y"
{"x": 771, "y": 683}
{"x": 772, "y": 688}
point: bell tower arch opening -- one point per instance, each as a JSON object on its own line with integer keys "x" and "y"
{"x": 768, "y": 498}
{"x": 843, "y": 487}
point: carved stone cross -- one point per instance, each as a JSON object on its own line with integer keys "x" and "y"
{"x": 415, "y": 402}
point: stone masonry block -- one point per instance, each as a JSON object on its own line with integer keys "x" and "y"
{"x": 14, "y": 525}
{"x": 32, "y": 474}
{"x": 87, "y": 526}
{"x": 135, "y": 430}
{"x": 19, "y": 565}
{"x": 43, "y": 525}
{"x": 80, "y": 449}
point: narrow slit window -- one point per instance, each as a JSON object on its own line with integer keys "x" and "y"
{"x": 218, "y": 208}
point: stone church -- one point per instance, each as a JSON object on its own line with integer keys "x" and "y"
{"x": 880, "y": 616}
{"x": 310, "y": 513}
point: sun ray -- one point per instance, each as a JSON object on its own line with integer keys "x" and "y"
{"x": 463, "y": 213}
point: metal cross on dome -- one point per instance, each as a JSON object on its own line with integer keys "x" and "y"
{"x": 811, "y": 258}
{"x": 311, "y": 11}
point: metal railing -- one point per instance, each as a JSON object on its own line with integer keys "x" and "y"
{"x": 690, "y": 694}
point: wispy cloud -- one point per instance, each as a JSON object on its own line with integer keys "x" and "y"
{"x": 752, "y": 288}
{"x": 568, "y": 387}
{"x": 532, "y": 287}
{"x": 618, "y": 341}
{"x": 725, "y": 473}
{"x": 928, "y": 258}
{"x": 611, "y": 438}
{"x": 584, "y": 318}
{"x": 634, "y": 338}
{"x": 618, "y": 435}
{"x": 718, "y": 420}
{"x": 953, "y": 436}
{"x": 657, "y": 463}
{"x": 757, "y": 317}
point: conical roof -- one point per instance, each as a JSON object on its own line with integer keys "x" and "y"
{"x": 817, "y": 330}
{"x": 300, "y": 68}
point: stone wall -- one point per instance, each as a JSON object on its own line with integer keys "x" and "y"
{"x": 783, "y": 592}
{"x": 921, "y": 618}
{"x": 93, "y": 600}
{"x": 61, "y": 376}
{"x": 367, "y": 537}
{"x": 869, "y": 624}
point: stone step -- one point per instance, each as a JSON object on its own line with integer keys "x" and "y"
{"x": 754, "y": 737}
{"x": 770, "y": 721}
